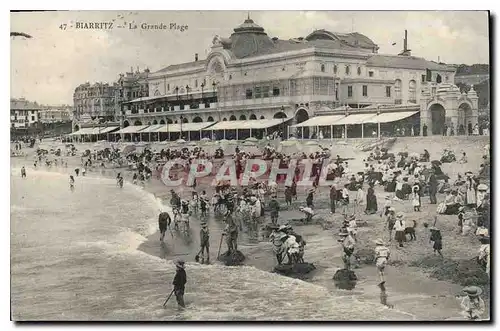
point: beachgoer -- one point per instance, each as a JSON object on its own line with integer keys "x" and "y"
{"x": 308, "y": 212}
{"x": 205, "y": 242}
{"x": 415, "y": 198}
{"x": 77, "y": 171}
{"x": 391, "y": 221}
{"x": 348, "y": 243}
{"x": 399, "y": 227}
{"x": 231, "y": 234}
{"x": 382, "y": 255}
{"x": 484, "y": 254}
{"x": 71, "y": 182}
{"x": 274, "y": 206}
{"x": 371, "y": 201}
{"x": 163, "y": 223}
{"x": 333, "y": 198}
{"x": 23, "y": 172}
{"x": 179, "y": 282}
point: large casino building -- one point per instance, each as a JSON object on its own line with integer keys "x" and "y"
{"x": 325, "y": 82}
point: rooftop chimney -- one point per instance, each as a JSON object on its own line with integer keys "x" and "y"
{"x": 196, "y": 56}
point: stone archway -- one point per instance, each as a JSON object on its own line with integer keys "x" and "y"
{"x": 162, "y": 122}
{"x": 149, "y": 123}
{"x": 253, "y": 117}
{"x": 137, "y": 123}
{"x": 232, "y": 118}
{"x": 169, "y": 121}
{"x": 464, "y": 113}
{"x": 197, "y": 119}
{"x": 438, "y": 118}
{"x": 155, "y": 122}
{"x": 210, "y": 119}
{"x": 243, "y": 118}
{"x": 125, "y": 124}
{"x": 185, "y": 120}
{"x": 262, "y": 117}
{"x": 77, "y": 128}
{"x": 224, "y": 119}
{"x": 301, "y": 115}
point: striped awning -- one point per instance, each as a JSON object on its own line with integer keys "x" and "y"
{"x": 132, "y": 129}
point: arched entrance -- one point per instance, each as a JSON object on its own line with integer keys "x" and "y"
{"x": 262, "y": 117}
{"x": 224, "y": 119}
{"x": 125, "y": 124}
{"x": 169, "y": 121}
{"x": 184, "y": 120}
{"x": 162, "y": 122}
{"x": 155, "y": 122}
{"x": 137, "y": 122}
{"x": 210, "y": 119}
{"x": 243, "y": 118}
{"x": 464, "y": 118}
{"x": 197, "y": 119}
{"x": 282, "y": 128}
{"x": 149, "y": 123}
{"x": 438, "y": 118}
{"x": 77, "y": 128}
{"x": 253, "y": 117}
{"x": 232, "y": 118}
{"x": 301, "y": 115}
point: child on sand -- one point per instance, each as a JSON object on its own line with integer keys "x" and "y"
{"x": 382, "y": 254}
{"x": 437, "y": 239}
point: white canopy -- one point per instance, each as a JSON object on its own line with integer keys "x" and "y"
{"x": 132, "y": 129}
{"x": 108, "y": 129}
{"x": 249, "y": 124}
{"x": 152, "y": 128}
{"x": 83, "y": 131}
{"x": 320, "y": 121}
{"x": 186, "y": 127}
{"x": 356, "y": 119}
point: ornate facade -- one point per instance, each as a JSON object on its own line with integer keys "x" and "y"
{"x": 94, "y": 101}
{"x": 251, "y": 75}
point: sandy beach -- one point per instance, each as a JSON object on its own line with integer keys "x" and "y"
{"x": 409, "y": 288}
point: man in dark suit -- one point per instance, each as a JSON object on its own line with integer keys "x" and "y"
{"x": 433, "y": 183}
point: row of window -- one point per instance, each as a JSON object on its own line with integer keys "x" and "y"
{"x": 365, "y": 91}
{"x": 24, "y": 120}
{"x": 347, "y": 70}
{"x": 262, "y": 92}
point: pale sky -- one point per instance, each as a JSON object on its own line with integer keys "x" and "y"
{"x": 48, "y": 67}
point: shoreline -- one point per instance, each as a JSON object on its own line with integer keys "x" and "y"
{"x": 404, "y": 283}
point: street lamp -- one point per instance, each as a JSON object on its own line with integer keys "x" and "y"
{"x": 177, "y": 92}
{"x": 214, "y": 85}
{"x": 187, "y": 90}
{"x": 202, "y": 87}
{"x": 283, "y": 122}
{"x": 182, "y": 118}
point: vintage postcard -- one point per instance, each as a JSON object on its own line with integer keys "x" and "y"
{"x": 250, "y": 166}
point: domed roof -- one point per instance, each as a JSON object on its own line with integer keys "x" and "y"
{"x": 249, "y": 39}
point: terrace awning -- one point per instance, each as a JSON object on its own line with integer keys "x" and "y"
{"x": 356, "y": 119}
{"x": 248, "y": 124}
{"x": 132, "y": 129}
{"x": 319, "y": 121}
{"x": 391, "y": 117}
{"x": 186, "y": 127}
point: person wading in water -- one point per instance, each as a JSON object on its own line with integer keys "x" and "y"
{"x": 71, "y": 183}
{"x": 179, "y": 283}
{"x": 23, "y": 172}
{"x": 231, "y": 233}
{"x": 275, "y": 208}
{"x": 205, "y": 242}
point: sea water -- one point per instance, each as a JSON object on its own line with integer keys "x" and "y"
{"x": 74, "y": 256}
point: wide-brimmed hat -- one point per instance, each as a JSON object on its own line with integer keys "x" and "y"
{"x": 310, "y": 190}
{"x": 203, "y": 224}
{"x": 379, "y": 242}
{"x": 387, "y": 197}
{"x": 484, "y": 238}
{"x": 472, "y": 291}
{"x": 400, "y": 215}
{"x": 446, "y": 190}
{"x": 343, "y": 232}
{"x": 468, "y": 173}
{"x": 482, "y": 187}
{"x": 179, "y": 263}
{"x": 392, "y": 209}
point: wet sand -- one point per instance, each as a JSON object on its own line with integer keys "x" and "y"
{"x": 409, "y": 289}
